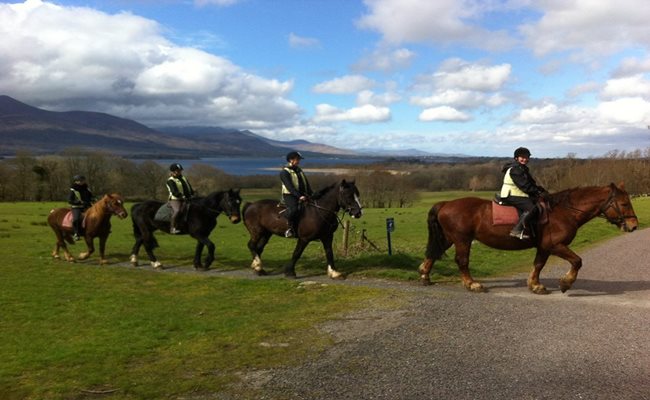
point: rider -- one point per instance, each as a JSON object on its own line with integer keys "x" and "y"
{"x": 80, "y": 199}
{"x": 180, "y": 191}
{"x": 295, "y": 189}
{"x": 520, "y": 190}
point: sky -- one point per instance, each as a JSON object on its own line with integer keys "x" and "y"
{"x": 481, "y": 78}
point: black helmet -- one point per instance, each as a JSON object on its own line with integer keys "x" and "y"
{"x": 175, "y": 167}
{"x": 522, "y": 152}
{"x": 78, "y": 178}
{"x": 294, "y": 154}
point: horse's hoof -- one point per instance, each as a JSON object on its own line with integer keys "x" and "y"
{"x": 156, "y": 265}
{"x": 426, "y": 282}
{"x": 539, "y": 289}
{"x": 103, "y": 261}
{"x": 260, "y": 272}
{"x": 201, "y": 268}
{"x": 564, "y": 286}
{"x": 134, "y": 260}
{"x": 56, "y": 257}
{"x": 476, "y": 287}
{"x": 290, "y": 275}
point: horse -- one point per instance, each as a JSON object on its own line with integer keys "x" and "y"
{"x": 459, "y": 222}
{"x": 97, "y": 222}
{"x": 198, "y": 220}
{"x": 318, "y": 221}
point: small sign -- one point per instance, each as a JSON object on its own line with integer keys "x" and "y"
{"x": 390, "y": 224}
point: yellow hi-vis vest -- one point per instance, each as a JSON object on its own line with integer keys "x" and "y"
{"x": 179, "y": 185}
{"x": 295, "y": 179}
{"x": 509, "y": 188}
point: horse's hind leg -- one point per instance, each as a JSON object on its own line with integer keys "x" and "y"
{"x": 256, "y": 246}
{"x": 533, "y": 279}
{"x": 462, "y": 259}
{"x": 290, "y": 268}
{"x": 134, "y": 252}
{"x": 102, "y": 250}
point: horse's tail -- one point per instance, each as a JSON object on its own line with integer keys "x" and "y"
{"x": 437, "y": 242}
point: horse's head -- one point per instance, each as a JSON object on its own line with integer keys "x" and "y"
{"x": 349, "y": 199}
{"x": 618, "y": 209}
{"x": 231, "y": 204}
{"x": 115, "y": 204}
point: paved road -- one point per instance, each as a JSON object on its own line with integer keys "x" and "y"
{"x": 446, "y": 343}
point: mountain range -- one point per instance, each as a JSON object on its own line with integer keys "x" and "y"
{"x": 24, "y": 127}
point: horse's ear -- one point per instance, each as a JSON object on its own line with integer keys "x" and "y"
{"x": 621, "y": 185}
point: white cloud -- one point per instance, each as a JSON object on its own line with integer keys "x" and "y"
{"x": 299, "y": 42}
{"x": 441, "y": 21}
{"x": 629, "y": 110}
{"x": 370, "y": 97}
{"x": 66, "y": 58}
{"x": 588, "y": 28}
{"x": 386, "y": 60}
{"x": 630, "y": 86}
{"x": 364, "y": 114}
{"x": 451, "y": 97}
{"x": 632, "y": 66}
{"x": 443, "y": 113}
{"x": 459, "y": 74}
{"x": 345, "y": 85}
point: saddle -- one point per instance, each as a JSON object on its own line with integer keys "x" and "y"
{"x": 164, "y": 213}
{"x": 67, "y": 220}
{"x": 504, "y": 214}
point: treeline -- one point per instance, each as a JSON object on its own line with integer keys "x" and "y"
{"x": 395, "y": 184}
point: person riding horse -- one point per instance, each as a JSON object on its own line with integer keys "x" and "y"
{"x": 520, "y": 190}
{"x": 80, "y": 199}
{"x": 180, "y": 191}
{"x": 295, "y": 189}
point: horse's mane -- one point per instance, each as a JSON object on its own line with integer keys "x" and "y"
{"x": 323, "y": 191}
{"x": 564, "y": 197}
{"x": 96, "y": 207}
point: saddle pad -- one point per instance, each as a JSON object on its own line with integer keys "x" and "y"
{"x": 504, "y": 215}
{"x": 164, "y": 213}
{"x": 67, "y": 220}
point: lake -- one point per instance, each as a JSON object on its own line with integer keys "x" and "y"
{"x": 266, "y": 165}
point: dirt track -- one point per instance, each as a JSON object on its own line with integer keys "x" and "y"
{"x": 446, "y": 343}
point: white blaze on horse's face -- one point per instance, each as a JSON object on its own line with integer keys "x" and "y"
{"x": 358, "y": 201}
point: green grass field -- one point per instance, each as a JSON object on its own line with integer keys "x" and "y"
{"x": 77, "y": 330}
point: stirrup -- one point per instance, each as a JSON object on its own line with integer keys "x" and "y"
{"x": 288, "y": 233}
{"x": 519, "y": 235}
{"x": 174, "y": 231}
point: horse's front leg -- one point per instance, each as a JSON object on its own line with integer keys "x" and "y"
{"x": 533, "y": 279}
{"x": 462, "y": 260}
{"x": 329, "y": 254}
{"x": 209, "y": 258}
{"x": 91, "y": 248}
{"x": 102, "y": 250}
{"x": 570, "y": 277}
{"x": 290, "y": 268}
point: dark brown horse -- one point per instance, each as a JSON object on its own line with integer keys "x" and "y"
{"x": 97, "y": 222}
{"x": 459, "y": 222}
{"x": 198, "y": 221}
{"x": 318, "y": 221}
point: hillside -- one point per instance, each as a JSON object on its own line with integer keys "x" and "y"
{"x": 24, "y": 127}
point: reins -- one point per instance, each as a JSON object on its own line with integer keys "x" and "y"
{"x": 609, "y": 203}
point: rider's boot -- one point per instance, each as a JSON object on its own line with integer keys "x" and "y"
{"x": 172, "y": 226}
{"x": 518, "y": 230}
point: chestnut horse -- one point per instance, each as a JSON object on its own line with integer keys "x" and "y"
{"x": 198, "y": 220}
{"x": 459, "y": 222}
{"x": 97, "y": 223}
{"x": 318, "y": 221}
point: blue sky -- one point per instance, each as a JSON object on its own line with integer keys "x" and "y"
{"x": 445, "y": 76}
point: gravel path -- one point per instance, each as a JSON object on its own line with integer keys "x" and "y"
{"x": 446, "y": 343}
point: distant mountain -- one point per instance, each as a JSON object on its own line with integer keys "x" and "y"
{"x": 45, "y": 132}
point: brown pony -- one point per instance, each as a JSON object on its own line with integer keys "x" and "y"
{"x": 97, "y": 222}
{"x": 459, "y": 222}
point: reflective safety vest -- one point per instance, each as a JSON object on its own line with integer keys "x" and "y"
{"x": 179, "y": 185}
{"x": 77, "y": 195}
{"x": 509, "y": 188}
{"x": 295, "y": 179}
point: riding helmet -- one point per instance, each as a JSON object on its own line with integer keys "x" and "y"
{"x": 175, "y": 167}
{"x": 78, "y": 178}
{"x": 522, "y": 152}
{"x": 294, "y": 154}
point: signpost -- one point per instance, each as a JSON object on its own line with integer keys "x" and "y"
{"x": 390, "y": 227}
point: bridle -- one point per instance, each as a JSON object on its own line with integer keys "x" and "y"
{"x": 339, "y": 202}
{"x": 610, "y": 203}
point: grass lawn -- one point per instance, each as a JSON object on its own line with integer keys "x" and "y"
{"x": 73, "y": 330}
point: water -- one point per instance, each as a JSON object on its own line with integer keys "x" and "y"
{"x": 265, "y": 165}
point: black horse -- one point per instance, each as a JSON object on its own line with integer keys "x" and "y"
{"x": 198, "y": 220}
{"x": 318, "y": 221}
